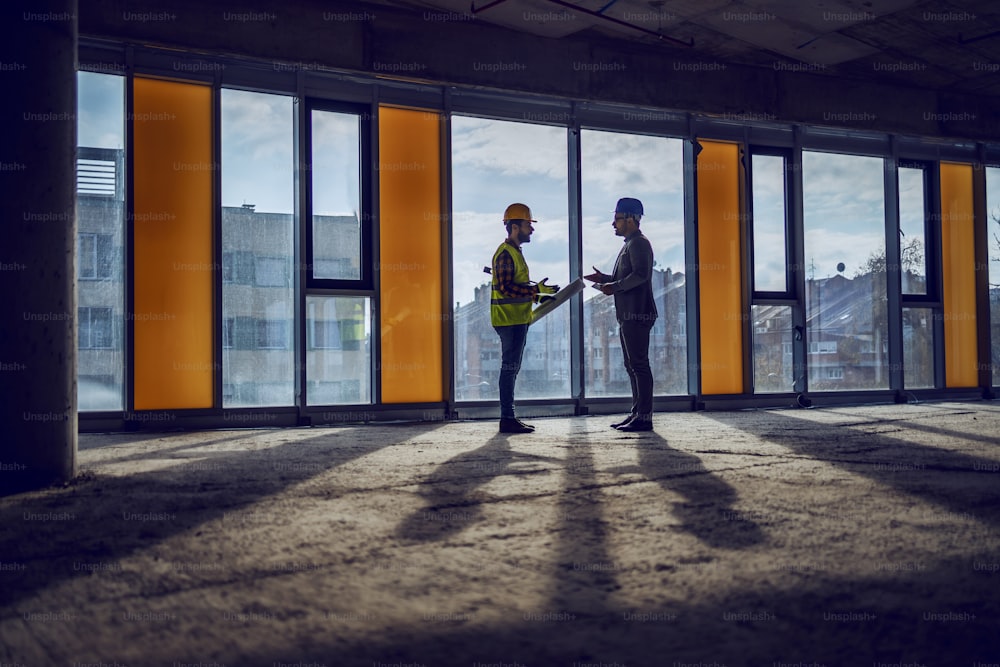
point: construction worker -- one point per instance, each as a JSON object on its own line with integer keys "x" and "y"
{"x": 632, "y": 287}
{"x": 510, "y": 307}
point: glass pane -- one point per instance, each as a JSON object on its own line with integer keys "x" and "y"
{"x": 336, "y": 195}
{"x": 845, "y": 272}
{"x": 993, "y": 243}
{"x": 338, "y": 350}
{"x": 258, "y": 358}
{"x": 958, "y": 266}
{"x": 494, "y": 164}
{"x": 769, "y": 246}
{"x": 173, "y": 245}
{"x": 100, "y": 225}
{"x": 720, "y": 267}
{"x": 618, "y": 165}
{"x": 410, "y": 264}
{"x": 913, "y": 265}
{"x": 918, "y": 348}
{"x": 772, "y": 349}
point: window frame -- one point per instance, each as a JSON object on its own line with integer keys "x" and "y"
{"x": 932, "y": 236}
{"x": 90, "y": 321}
{"x": 771, "y": 297}
{"x": 932, "y": 298}
{"x": 364, "y": 93}
{"x": 102, "y": 248}
{"x": 365, "y": 282}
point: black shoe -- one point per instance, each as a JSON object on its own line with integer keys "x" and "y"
{"x": 623, "y": 422}
{"x": 637, "y": 425}
{"x": 527, "y": 426}
{"x": 511, "y": 425}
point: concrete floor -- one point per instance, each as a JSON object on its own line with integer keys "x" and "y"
{"x": 841, "y": 536}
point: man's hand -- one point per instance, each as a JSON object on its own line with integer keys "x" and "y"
{"x": 606, "y": 289}
{"x": 545, "y": 288}
{"x": 597, "y": 276}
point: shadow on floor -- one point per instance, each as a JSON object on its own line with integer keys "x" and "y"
{"x": 103, "y": 518}
{"x": 957, "y": 482}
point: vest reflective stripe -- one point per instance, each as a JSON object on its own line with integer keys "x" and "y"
{"x": 509, "y": 310}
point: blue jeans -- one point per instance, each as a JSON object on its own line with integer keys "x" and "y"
{"x": 512, "y": 339}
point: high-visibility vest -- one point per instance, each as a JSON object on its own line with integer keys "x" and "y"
{"x": 508, "y": 310}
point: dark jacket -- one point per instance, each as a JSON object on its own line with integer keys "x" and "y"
{"x": 632, "y": 281}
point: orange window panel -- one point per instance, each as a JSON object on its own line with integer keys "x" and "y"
{"x": 410, "y": 255}
{"x": 172, "y": 236}
{"x": 720, "y": 268}
{"x": 959, "y": 261}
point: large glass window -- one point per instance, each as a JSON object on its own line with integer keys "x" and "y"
{"x": 494, "y": 164}
{"x": 914, "y": 268}
{"x": 993, "y": 243}
{"x": 100, "y": 225}
{"x": 338, "y": 256}
{"x": 844, "y": 221}
{"x": 258, "y": 362}
{"x": 771, "y": 315}
{"x": 616, "y": 165}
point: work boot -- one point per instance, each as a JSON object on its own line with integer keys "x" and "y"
{"x": 512, "y": 425}
{"x": 624, "y": 421}
{"x": 637, "y": 425}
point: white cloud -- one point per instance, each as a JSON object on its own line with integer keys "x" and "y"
{"x": 844, "y": 211}
{"x": 101, "y": 110}
{"x": 826, "y": 248}
{"x": 508, "y": 148}
{"x": 631, "y": 165}
{"x": 257, "y": 139}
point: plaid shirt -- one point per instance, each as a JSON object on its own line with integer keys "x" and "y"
{"x": 503, "y": 269}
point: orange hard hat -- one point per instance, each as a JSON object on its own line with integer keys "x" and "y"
{"x": 518, "y": 212}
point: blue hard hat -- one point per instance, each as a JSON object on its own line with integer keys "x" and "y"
{"x": 629, "y": 206}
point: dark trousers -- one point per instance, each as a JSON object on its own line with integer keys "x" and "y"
{"x": 512, "y": 340}
{"x": 635, "y": 349}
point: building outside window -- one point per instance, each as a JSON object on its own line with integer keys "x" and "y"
{"x": 258, "y": 358}
{"x": 846, "y": 311}
{"x": 489, "y": 173}
{"x": 100, "y": 245}
{"x": 616, "y": 165}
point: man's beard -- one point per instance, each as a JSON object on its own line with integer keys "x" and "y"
{"x": 523, "y": 238}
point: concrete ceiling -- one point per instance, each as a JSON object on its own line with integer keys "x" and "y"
{"x": 950, "y": 45}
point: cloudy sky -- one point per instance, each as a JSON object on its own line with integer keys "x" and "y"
{"x": 101, "y": 110}
{"x": 843, "y": 210}
{"x": 257, "y": 142}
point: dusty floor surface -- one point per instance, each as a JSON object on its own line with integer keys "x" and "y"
{"x": 831, "y": 536}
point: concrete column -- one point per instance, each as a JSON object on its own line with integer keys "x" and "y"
{"x": 38, "y": 431}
